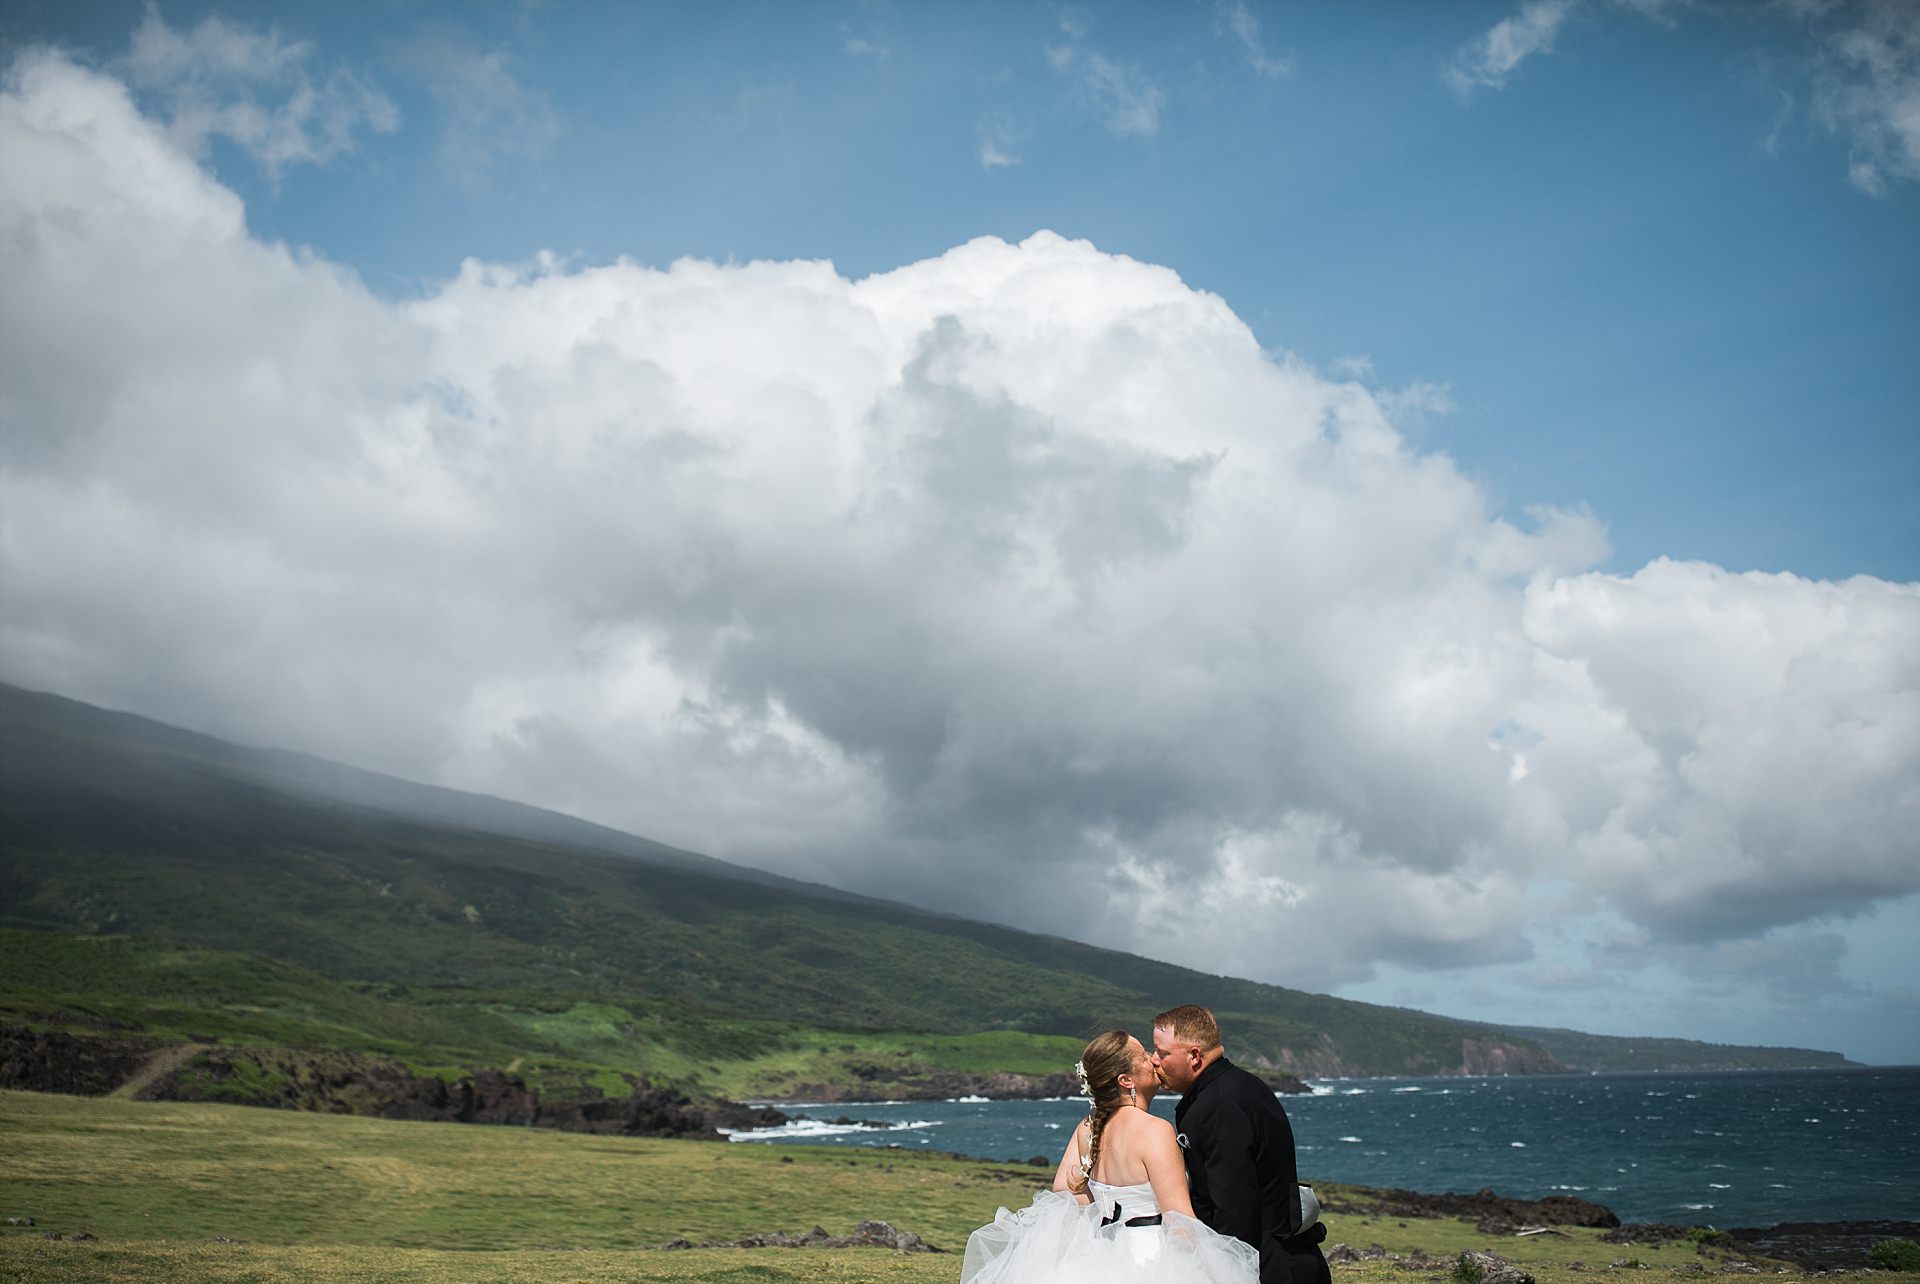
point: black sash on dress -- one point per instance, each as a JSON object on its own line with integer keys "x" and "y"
{"x": 1114, "y": 1216}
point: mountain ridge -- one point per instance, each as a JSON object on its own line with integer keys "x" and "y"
{"x": 118, "y": 823}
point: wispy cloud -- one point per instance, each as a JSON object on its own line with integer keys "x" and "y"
{"x": 1485, "y": 63}
{"x": 1867, "y": 88}
{"x": 252, "y": 87}
{"x": 1233, "y": 18}
{"x": 1124, "y": 96}
{"x": 1862, "y": 80}
{"x": 1660, "y": 11}
{"x": 486, "y": 114}
{"x": 1000, "y": 139}
{"x": 869, "y": 45}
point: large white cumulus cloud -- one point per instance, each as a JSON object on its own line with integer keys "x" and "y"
{"x": 1021, "y": 567}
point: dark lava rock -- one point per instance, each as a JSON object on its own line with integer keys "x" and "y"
{"x": 866, "y": 1235}
{"x": 1483, "y": 1207}
{"x": 77, "y": 1065}
{"x": 349, "y": 1083}
{"x": 1811, "y": 1246}
{"x": 1646, "y": 1233}
{"x": 494, "y": 1097}
{"x": 1822, "y": 1246}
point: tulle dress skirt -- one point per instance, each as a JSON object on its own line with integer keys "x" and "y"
{"x": 1058, "y": 1240}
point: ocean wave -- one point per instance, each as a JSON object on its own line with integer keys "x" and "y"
{"x": 1350, "y": 1139}
{"x": 804, "y": 1129}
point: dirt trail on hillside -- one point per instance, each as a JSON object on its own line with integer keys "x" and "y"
{"x": 157, "y": 1067}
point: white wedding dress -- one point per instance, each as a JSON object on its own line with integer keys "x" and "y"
{"x": 1058, "y": 1240}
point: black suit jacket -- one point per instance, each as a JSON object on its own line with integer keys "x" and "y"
{"x": 1240, "y": 1163}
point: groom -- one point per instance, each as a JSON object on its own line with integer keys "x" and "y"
{"x": 1239, "y": 1149}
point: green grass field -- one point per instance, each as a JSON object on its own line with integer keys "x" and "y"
{"x": 304, "y": 1196}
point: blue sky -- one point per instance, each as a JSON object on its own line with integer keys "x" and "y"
{"x": 1613, "y": 281}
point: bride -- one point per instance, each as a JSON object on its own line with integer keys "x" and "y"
{"x": 1118, "y": 1212}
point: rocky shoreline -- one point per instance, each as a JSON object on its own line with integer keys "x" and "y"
{"x": 332, "y": 1082}
{"x": 1491, "y": 1213}
{"x": 1810, "y": 1246}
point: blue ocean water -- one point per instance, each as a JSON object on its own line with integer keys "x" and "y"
{"x": 1751, "y": 1148}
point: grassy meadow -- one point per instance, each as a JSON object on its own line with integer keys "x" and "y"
{"x": 209, "y": 1192}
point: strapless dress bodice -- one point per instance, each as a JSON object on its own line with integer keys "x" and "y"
{"x": 1135, "y": 1201}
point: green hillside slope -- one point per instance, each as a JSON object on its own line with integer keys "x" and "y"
{"x": 1603, "y": 1052}
{"x": 117, "y": 825}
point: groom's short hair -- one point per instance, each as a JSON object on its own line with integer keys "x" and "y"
{"x": 1191, "y": 1023}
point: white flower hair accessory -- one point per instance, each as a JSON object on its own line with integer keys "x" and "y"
{"x": 1080, "y": 1073}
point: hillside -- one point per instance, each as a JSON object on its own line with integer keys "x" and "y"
{"x": 1605, "y": 1053}
{"x": 116, "y": 825}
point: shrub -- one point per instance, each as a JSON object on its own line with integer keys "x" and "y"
{"x": 1895, "y": 1255}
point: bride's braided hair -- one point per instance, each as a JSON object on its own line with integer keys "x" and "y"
{"x": 1104, "y": 1061}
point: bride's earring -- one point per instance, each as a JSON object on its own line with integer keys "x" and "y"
{"x": 1133, "y": 1098}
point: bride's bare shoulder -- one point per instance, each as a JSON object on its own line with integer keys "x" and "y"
{"x": 1144, "y": 1125}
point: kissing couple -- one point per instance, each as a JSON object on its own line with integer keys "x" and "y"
{"x": 1212, "y": 1198}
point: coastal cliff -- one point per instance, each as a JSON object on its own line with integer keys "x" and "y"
{"x": 335, "y": 1082}
{"x": 1478, "y": 1056}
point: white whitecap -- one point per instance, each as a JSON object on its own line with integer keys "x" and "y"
{"x": 804, "y": 1129}
{"x": 1350, "y": 1139}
